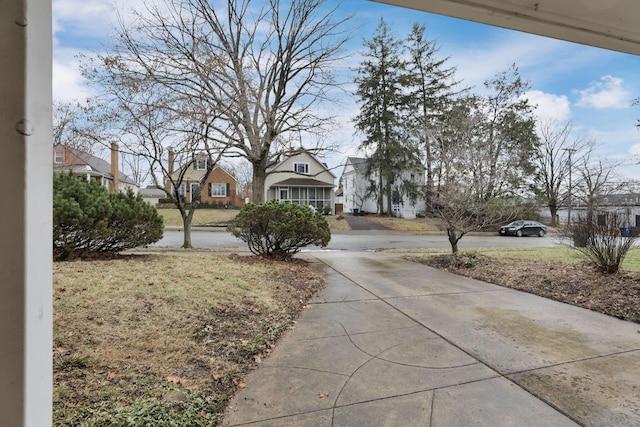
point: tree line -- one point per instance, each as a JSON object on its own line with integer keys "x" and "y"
{"x": 487, "y": 158}
{"x": 246, "y": 79}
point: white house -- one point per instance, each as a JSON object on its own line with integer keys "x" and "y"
{"x": 302, "y": 179}
{"x": 355, "y": 183}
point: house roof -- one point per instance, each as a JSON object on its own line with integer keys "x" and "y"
{"x": 313, "y": 156}
{"x": 359, "y": 163}
{"x": 152, "y": 191}
{"x": 302, "y": 182}
{"x": 192, "y": 174}
{"x": 83, "y": 162}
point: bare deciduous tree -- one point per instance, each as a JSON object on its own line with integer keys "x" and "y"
{"x": 596, "y": 179}
{"x": 253, "y": 73}
{"x": 461, "y": 198}
{"x": 559, "y": 148}
{"x": 149, "y": 123}
{"x": 73, "y": 127}
{"x": 243, "y": 173}
{"x": 464, "y": 210}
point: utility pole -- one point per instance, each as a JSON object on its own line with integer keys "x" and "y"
{"x": 570, "y": 151}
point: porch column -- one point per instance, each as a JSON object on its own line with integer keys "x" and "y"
{"x": 25, "y": 228}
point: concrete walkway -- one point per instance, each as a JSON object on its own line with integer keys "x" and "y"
{"x": 393, "y": 343}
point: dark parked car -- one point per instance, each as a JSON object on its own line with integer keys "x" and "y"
{"x": 524, "y": 228}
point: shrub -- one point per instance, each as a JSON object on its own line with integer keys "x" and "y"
{"x": 280, "y": 229}
{"x": 603, "y": 244}
{"x": 88, "y": 221}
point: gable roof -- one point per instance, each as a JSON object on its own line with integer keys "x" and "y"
{"x": 192, "y": 174}
{"x": 81, "y": 162}
{"x": 359, "y": 164}
{"x": 303, "y": 151}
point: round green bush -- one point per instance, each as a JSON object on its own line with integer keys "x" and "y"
{"x": 280, "y": 229}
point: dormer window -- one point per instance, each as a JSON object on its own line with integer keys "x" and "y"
{"x": 301, "y": 168}
{"x": 201, "y": 164}
{"x": 58, "y": 157}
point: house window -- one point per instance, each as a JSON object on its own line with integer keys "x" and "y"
{"x": 182, "y": 189}
{"x": 284, "y": 194}
{"x": 201, "y": 164}
{"x": 58, "y": 157}
{"x": 301, "y": 168}
{"x": 217, "y": 189}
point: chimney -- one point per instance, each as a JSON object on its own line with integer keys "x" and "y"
{"x": 114, "y": 167}
{"x": 172, "y": 158}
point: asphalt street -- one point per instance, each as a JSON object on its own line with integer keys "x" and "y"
{"x": 367, "y": 240}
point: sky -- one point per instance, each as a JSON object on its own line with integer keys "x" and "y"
{"x": 592, "y": 87}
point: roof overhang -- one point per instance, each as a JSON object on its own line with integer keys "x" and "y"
{"x": 302, "y": 182}
{"x": 609, "y": 24}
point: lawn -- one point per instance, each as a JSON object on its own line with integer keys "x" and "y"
{"x": 221, "y": 217}
{"x": 558, "y": 254}
{"x": 418, "y": 225}
{"x": 166, "y": 340}
{"x": 201, "y": 217}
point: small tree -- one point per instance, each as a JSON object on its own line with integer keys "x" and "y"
{"x": 280, "y": 229}
{"x": 88, "y": 221}
{"x": 464, "y": 212}
{"x": 602, "y": 243}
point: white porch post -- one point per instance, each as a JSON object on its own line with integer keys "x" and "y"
{"x": 25, "y": 213}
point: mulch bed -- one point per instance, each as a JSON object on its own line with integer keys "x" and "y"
{"x": 578, "y": 284}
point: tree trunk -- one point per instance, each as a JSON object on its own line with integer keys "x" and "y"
{"x": 553, "y": 210}
{"x": 259, "y": 178}
{"x": 389, "y": 198}
{"x": 380, "y": 194}
{"x": 186, "y": 229}
{"x": 453, "y": 239}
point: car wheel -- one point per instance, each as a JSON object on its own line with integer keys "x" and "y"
{"x": 519, "y": 233}
{"x": 541, "y": 233}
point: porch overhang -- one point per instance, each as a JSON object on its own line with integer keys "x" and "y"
{"x": 302, "y": 182}
{"x": 608, "y": 24}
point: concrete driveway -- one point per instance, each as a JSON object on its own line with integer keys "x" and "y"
{"x": 394, "y": 343}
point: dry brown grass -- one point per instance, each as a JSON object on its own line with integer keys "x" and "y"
{"x": 201, "y": 217}
{"x": 209, "y": 217}
{"x": 130, "y": 333}
{"x": 337, "y": 222}
{"x": 564, "y": 278}
{"x": 418, "y": 225}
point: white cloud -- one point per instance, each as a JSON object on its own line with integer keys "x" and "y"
{"x": 606, "y": 93}
{"x": 550, "y": 106}
{"x": 89, "y": 17}
{"x": 68, "y": 84}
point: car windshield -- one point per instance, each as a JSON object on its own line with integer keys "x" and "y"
{"x": 515, "y": 223}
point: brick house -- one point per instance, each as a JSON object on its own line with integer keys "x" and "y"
{"x": 218, "y": 190}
